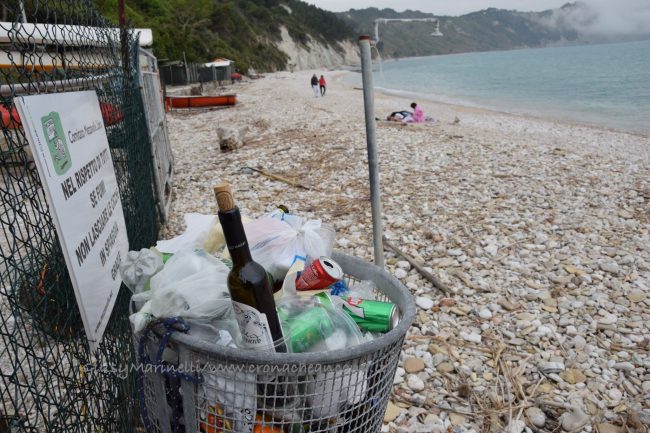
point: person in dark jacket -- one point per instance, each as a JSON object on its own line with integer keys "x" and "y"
{"x": 314, "y": 85}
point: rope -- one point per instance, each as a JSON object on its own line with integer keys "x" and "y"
{"x": 171, "y": 325}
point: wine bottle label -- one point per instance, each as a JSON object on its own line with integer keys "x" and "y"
{"x": 254, "y": 327}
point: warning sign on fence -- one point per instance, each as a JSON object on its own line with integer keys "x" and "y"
{"x": 67, "y": 136}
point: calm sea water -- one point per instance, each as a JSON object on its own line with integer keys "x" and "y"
{"x": 606, "y": 85}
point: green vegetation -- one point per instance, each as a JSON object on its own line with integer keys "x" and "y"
{"x": 246, "y": 31}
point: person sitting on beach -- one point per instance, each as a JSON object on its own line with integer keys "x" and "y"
{"x": 398, "y": 116}
{"x": 418, "y": 115}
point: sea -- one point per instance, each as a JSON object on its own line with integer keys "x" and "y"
{"x": 606, "y": 85}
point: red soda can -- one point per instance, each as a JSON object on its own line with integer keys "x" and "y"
{"x": 319, "y": 274}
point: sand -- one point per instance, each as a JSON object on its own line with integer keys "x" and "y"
{"x": 539, "y": 227}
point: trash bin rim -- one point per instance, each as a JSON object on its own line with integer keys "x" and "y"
{"x": 405, "y": 302}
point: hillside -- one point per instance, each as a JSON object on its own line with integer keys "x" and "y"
{"x": 247, "y": 31}
{"x": 490, "y": 29}
{"x": 487, "y": 30}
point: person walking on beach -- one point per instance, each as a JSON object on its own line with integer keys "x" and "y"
{"x": 314, "y": 85}
{"x": 322, "y": 85}
{"x": 417, "y": 116}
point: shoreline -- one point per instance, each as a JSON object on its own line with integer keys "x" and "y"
{"x": 402, "y": 94}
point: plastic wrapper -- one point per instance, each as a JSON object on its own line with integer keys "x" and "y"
{"x": 138, "y": 267}
{"x": 235, "y": 391}
{"x": 191, "y": 285}
{"x": 365, "y": 289}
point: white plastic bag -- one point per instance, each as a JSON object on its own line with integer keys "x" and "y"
{"x": 191, "y": 285}
{"x": 138, "y": 267}
{"x": 275, "y": 243}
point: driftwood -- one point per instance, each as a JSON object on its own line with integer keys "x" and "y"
{"x": 432, "y": 278}
{"x": 277, "y": 177}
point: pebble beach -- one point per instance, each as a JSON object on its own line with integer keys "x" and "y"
{"x": 539, "y": 230}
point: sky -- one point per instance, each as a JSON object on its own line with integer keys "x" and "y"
{"x": 613, "y": 16}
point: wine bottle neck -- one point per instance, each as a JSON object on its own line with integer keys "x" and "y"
{"x": 233, "y": 231}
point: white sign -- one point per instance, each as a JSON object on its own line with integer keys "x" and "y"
{"x": 67, "y": 136}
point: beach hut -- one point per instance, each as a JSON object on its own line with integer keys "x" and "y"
{"x": 219, "y": 69}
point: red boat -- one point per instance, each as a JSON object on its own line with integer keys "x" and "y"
{"x": 199, "y": 101}
{"x": 110, "y": 113}
{"x": 9, "y": 118}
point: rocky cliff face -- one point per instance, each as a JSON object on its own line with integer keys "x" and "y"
{"x": 316, "y": 55}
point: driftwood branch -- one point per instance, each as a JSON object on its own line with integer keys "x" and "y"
{"x": 278, "y": 177}
{"x": 428, "y": 275}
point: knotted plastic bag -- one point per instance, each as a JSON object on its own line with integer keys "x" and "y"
{"x": 192, "y": 285}
{"x": 275, "y": 243}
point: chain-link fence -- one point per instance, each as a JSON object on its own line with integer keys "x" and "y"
{"x": 49, "y": 379}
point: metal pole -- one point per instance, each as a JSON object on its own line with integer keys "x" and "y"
{"x": 373, "y": 167}
{"x": 23, "y": 16}
{"x": 124, "y": 37}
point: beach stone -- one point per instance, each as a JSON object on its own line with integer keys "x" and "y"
{"x": 574, "y": 419}
{"x": 471, "y": 337}
{"x": 485, "y": 313}
{"x": 608, "y": 319}
{"x": 424, "y": 302}
{"x": 611, "y": 267}
{"x": 413, "y": 365}
{"x": 516, "y": 426}
{"x": 456, "y": 419}
{"x": 615, "y": 395}
{"x": 455, "y": 252}
{"x": 403, "y": 264}
{"x": 636, "y": 296}
{"x": 536, "y": 416}
{"x": 551, "y": 367}
{"x": 400, "y": 273}
{"x": 608, "y": 428}
{"x": 447, "y": 302}
{"x": 415, "y": 383}
{"x": 488, "y": 375}
{"x": 392, "y": 412}
{"x": 445, "y": 367}
{"x": 573, "y": 376}
{"x": 625, "y": 366}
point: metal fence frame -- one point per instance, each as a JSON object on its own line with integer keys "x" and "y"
{"x": 148, "y": 75}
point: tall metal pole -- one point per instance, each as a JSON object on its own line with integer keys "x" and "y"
{"x": 124, "y": 37}
{"x": 373, "y": 166}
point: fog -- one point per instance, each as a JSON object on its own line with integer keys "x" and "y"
{"x": 606, "y": 17}
{"x": 601, "y": 17}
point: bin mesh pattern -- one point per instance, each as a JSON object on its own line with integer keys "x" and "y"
{"x": 217, "y": 395}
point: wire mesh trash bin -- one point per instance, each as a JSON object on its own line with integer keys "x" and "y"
{"x": 188, "y": 385}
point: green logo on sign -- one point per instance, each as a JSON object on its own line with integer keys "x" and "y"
{"x": 56, "y": 142}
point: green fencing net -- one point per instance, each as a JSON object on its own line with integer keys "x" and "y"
{"x": 49, "y": 378}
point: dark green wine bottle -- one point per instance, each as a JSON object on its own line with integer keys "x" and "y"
{"x": 248, "y": 282}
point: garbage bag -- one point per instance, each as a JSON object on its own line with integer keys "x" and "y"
{"x": 275, "y": 243}
{"x": 138, "y": 267}
{"x": 191, "y": 285}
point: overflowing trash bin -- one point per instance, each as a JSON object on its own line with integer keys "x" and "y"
{"x": 203, "y": 367}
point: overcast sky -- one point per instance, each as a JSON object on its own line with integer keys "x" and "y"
{"x": 459, "y": 7}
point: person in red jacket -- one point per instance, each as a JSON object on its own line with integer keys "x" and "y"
{"x": 322, "y": 85}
